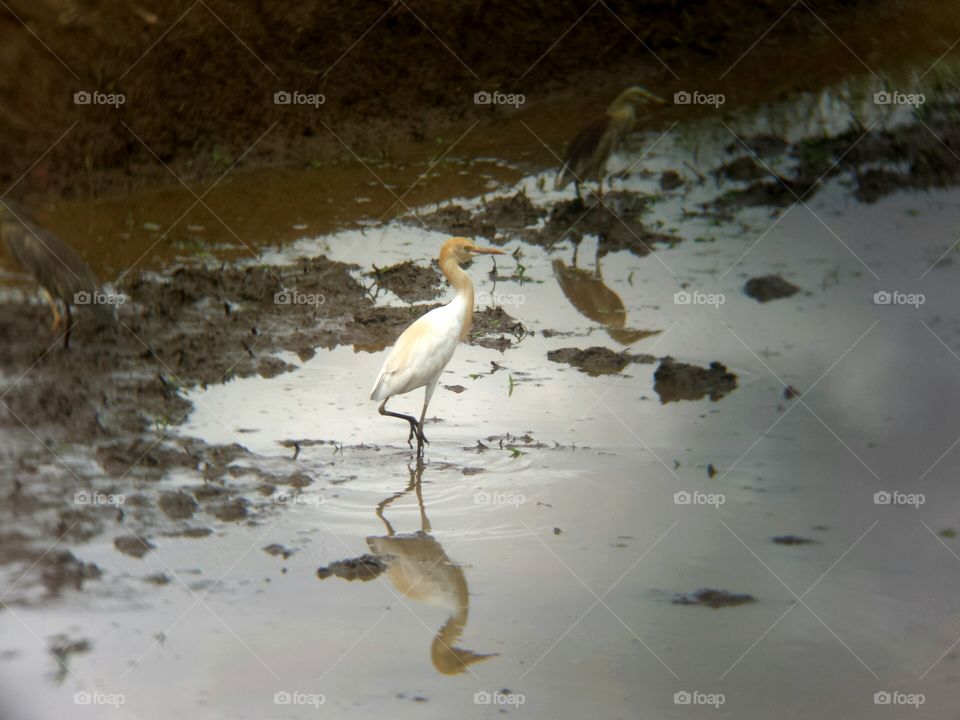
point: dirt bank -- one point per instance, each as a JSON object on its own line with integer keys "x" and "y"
{"x": 198, "y": 79}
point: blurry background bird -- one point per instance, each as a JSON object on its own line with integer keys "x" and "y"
{"x": 60, "y": 272}
{"x": 587, "y": 155}
{"x": 425, "y": 348}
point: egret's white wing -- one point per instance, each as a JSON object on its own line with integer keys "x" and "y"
{"x": 420, "y": 354}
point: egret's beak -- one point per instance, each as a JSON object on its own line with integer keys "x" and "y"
{"x": 487, "y": 251}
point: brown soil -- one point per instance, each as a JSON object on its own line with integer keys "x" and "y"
{"x": 714, "y": 598}
{"x": 769, "y": 287}
{"x": 409, "y": 281}
{"x": 597, "y": 361}
{"x": 675, "y": 381}
{"x": 366, "y": 567}
{"x": 199, "y": 78}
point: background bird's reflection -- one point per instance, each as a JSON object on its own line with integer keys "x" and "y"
{"x": 587, "y": 292}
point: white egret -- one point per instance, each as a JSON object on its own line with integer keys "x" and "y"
{"x": 425, "y": 348}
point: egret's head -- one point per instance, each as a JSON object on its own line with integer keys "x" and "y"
{"x": 463, "y": 249}
{"x": 636, "y": 96}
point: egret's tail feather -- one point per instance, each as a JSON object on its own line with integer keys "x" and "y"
{"x": 378, "y": 392}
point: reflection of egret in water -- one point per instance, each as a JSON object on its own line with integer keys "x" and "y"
{"x": 587, "y": 292}
{"x": 420, "y": 569}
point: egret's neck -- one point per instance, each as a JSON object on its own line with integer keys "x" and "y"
{"x": 462, "y": 285}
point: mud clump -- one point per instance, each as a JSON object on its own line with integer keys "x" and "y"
{"x": 278, "y": 550}
{"x": 460, "y": 222}
{"x": 63, "y": 570}
{"x": 792, "y": 540}
{"x": 675, "y": 381}
{"x": 769, "y": 287}
{"x": 742, "y": 169}
{"x": 670, "y": 180}
{"x": 615, "y": 221}
{"x": 495, "y": 328}
{"x": 597, "y": 361}
{"x": 232, "y": 510}
{"x": 781, "y": 192}
{"x": 178, "y": 505}
{"x": 409, "y": 281}
{"x": 512, "y": 213}
{"x": 716, "y": 599}
{"x": 133, "y": 546}
{"x": 364, "y": 568}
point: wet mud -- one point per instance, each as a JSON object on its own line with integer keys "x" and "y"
{"x": 364, "y": 568}
{"x": 597, "y": 360}
{"x": 715, "y": 599}
{"x": 769, "y": 287}
{"x": 674, "y": 381}
{"x": 409, "y": 281}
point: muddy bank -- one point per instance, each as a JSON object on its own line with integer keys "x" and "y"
{"x": 874, "y": 160}
{"x": 172, "y": 62}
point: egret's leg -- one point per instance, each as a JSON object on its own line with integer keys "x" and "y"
{"x": 600, "y": 188}
{"x": 428, "y": 393}
{"x": 409, "y": 418}
{"x": 576, "y": 185}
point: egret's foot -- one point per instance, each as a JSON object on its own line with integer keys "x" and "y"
{"x": 421, "y": 441}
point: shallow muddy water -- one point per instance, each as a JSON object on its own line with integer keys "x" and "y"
{"x": 533, "y": 563}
